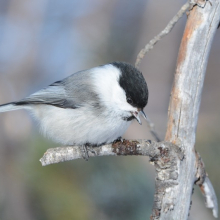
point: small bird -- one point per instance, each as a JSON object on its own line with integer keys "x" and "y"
{"x": 90, "y": 107}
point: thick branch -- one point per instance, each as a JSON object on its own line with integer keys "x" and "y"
{"x": 185, "y": 101}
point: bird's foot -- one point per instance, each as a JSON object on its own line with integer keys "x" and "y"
{"x": 85, "y": 152}
{"x": 118, "y": 139}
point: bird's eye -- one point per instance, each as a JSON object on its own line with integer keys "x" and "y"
{"x": 129, "y": 100}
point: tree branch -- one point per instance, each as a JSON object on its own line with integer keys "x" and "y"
{"x": 122, "y": 148}
{"x": 164, "y": 32}
{"x": 185, "y": 102}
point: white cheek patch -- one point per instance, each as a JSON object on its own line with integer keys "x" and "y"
{"x": 106, "y": 81}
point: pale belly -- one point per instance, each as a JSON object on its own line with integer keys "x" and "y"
{"x": 78, "y": 126}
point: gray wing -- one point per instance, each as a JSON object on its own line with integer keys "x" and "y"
{"x": 72, "y": 92}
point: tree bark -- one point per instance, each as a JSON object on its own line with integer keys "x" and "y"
{"x": 184, "y": 105}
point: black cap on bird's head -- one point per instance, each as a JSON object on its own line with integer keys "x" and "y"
{"x": 134, "y": 85}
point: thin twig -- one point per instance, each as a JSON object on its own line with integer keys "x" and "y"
{"x": 151, "y": 127}
{"x": 150, "y": 45}
{"x": 167, "y": 29}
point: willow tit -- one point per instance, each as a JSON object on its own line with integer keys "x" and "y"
{"x": 93, "y": 106}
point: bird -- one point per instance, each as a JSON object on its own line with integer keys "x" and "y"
{"x": 90, "y": 107}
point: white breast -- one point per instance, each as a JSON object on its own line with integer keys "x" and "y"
{"x": 78, "y": 126}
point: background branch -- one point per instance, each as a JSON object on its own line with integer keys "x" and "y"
{"x": 164, "y": 32}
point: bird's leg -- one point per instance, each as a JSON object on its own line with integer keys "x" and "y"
{"x": 85, "y": 149}
{"x": 84, "y": 152}
{"x": 90, "y": 149}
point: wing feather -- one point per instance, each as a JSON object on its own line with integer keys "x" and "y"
{"x": 72, "y": 92}
{"x": 54, "y": 94}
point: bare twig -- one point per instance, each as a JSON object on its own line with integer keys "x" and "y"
{"x": 123, "y": 148}
{"x": 164, "y": 32}
{"x": 151, "y": 127}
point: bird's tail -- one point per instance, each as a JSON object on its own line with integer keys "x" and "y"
{"x": 10, "y": 107}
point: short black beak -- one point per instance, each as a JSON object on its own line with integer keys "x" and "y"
{"x": 136, "y": 115}
{"x": 144, "y": 115}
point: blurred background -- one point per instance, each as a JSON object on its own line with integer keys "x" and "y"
{"x": 42, "y": 41}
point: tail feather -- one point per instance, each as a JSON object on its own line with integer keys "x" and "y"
{"x": 10, "y": 107}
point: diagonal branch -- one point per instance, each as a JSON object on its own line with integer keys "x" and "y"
{"x": 164, "y": 32}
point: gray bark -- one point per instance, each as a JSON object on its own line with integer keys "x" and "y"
{"x": 185, "y": 102}
{"x": 152, "y": 149}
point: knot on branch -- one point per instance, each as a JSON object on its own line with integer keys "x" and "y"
{"x": 167, "y": 164}
{"x": 200, "y": 3}
{"x": 126, "y": 147}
